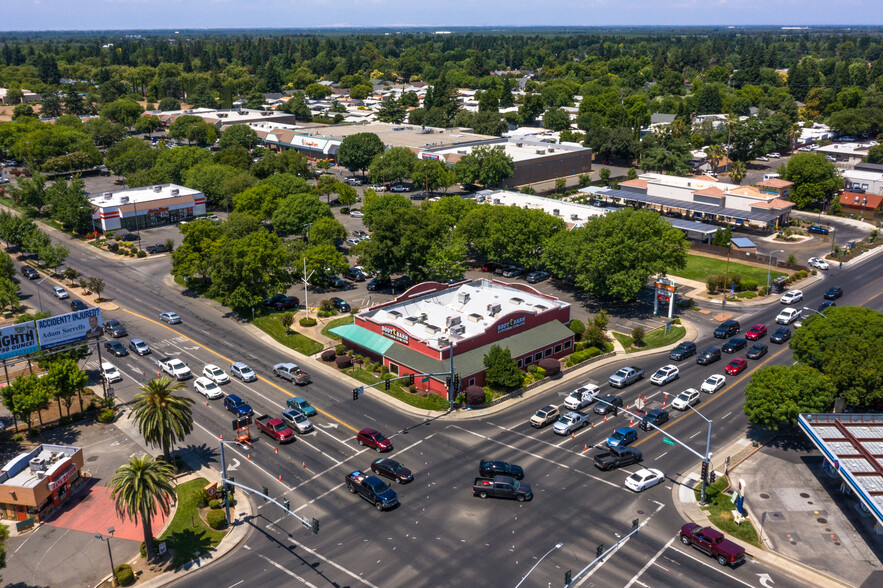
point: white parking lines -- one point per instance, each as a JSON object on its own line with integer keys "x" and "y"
{"x": 713, "y": 567}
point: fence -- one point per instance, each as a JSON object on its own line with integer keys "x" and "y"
{"x": 742, "y": 256}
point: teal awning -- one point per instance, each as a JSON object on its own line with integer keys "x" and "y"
{"x": 363, "y": 338}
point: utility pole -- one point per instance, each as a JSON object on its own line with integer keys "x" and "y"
{"x": 306, "y": 279}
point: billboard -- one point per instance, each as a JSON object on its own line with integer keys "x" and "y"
{"x": 69, "y": 328}
{"x": 18, "y": 340}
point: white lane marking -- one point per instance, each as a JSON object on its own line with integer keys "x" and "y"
{"x": 184, "y": 350}
{"x": 649, "y": 563}
{"x": 661, "y": 456}
{"x": 236, "y": 584}
{"x": 328, "y": 561}
{"x": 575, "y": 435}
{"x": 286, "y": 570}
{"x": 694, "y": 434}
{"x": 726, "y": 415}
{"x": 715, "y": 568}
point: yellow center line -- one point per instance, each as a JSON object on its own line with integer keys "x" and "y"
{"x": 713, "y": 396}
{"x": 227, "y": 359}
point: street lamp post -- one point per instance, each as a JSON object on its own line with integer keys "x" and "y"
{"x": 557, "y": 546}
{"x": 819, "y": 312}
{"x": 727, "y": 272}
{"x": 39, "y": 298}
{"x": 769, "y": 266}
{"x": 100, "y": 537}
{"x": 707, "y": 458}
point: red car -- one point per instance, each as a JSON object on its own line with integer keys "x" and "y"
{"x": 374, "y": 439}
{"x": 737, "y": 366}
{"x": 490, "y": 267}
{"x": 756, "y": 332}
{"x": 287, "y": 302}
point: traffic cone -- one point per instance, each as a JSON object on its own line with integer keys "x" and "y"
{"x": 585, "y": 447}
{"x": 221, "y": 437}
{"x": 249, "y": 457}
{"x": 631, "y": 422}
{"x": 605, "y": 418}
{"x": 663, "y": 404}
{"x": 571, "y": 435}
{"x": 280, "y": 477}
{"x": 276, "y": 449}
{"x": 206, "y": 402}
{"x": 305, "y": 465}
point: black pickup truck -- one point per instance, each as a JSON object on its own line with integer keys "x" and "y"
{"x": 617, "y": 457}
{"x": 502, "y": 487}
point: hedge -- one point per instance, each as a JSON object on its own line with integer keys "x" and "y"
{"x": 124, "y": 574}
{"x": 106, "y": 416}
{"x": 216, "y": 519}
{"x": 583, "y": 355}
{"x": 344, "y": 361}
{"x": 308, "y": 322}
{"x": 329, "y": 355}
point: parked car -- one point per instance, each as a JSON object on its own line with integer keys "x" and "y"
{"x": 207, "y": 388}
{"x": 582, "y": 397}
{"x": 536, "y": 277}
{"x": 608, "y": 404}
{"x": 215, "y": 374}
{"x": 78, "y": 305}
{"x": 286, "y": 303}
{"x": 512, "y": 272}
{"x": 712, "y": 542}
{"x": 684, "y": 350}
{"x": 139, "y": 346}
{"x": 791, "y": 297}
{"x": 373, "y": 439}
{"x": 357, "y": 214}
{"x": 377, "y": 188}
{"x": 622, "y": 437}
{"x": 340, "y": 304}
{"x": 59, "y": 292}
{"x": 491, "y": 468}
{"x": 29, "y": 272}
{"x": 774, "y": 155}
{"x": 157, "y": 248}
{"x": 781, "y": 335}
{"x": 756, "y": 332}
{"x": 116, "y": 348}
{"x": 757, "y": 351}
{"x": 392, "y": 469}
{"x": 818, "y": 263}
{"x": 833, "y": 293}
{"x": 243, "y": 372}
{"x": 713, "y": 383}
{"x": 354, "y": 274}
{"x": 688, "y": 397}
{"x": 171, "y": 318}
{"x": 544, "y": 416}
{"x": 736, "y": 366}
{"x": 727, "y": 329}
{"x": 378, "y": 283}
{"x": 643, "y": 479}
{"x": 353, "y": 181}
{"x": 735, "y": 344}
{"x": 826, "y": 305}
{"x": 490, "y": 267}
{"x": 709, "y": 356}
{"x": 664, "y": 375}
{"x": 788, "y": 316}
{"x": 400, "y": 188}
{"x": 657, "y": 416}
{"x": 818, "y": 230}
{"x": 569, "y": 423}
{"x": 114, "y": 328}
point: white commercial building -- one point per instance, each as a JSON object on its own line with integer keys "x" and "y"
{"x": 150, "y": 206}
{"x": 574, "y": 214}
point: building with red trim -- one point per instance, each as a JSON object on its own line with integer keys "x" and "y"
{"x": 149, "y": 206}
{"x": 416, "y": 332}
{"x": 36, "y": 483}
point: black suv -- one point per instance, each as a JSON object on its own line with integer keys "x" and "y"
{"x": 727, "y": 329}
{"x": 654, "y": 417}
{"x": 709, "y": 356}
{"x": 735, "y": 344}
{"x": 781, "y": 335}
{"x": 115, "y": 328}
{"x": 833, "y": 293}
{"x": 29, "y": 272}
{"x": 116, "y": 348}
{"x": 378, "y": 283}
{"x": 682, "y": 351}
{"x": 355, "y": 275}
{"x": 340, "y": 304}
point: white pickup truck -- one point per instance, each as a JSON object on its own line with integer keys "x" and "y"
{"x": 174, "y": 367}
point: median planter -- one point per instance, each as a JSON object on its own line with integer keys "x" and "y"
{"x": 307, "y": 322}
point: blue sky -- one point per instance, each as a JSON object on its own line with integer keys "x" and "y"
{"x": 165, "y": 14}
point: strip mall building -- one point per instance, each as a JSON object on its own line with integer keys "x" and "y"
{"x": 416, "y": 332}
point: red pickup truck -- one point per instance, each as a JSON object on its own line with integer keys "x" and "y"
{"x": 275, "y": 428}
{"x": 712, "y": 542}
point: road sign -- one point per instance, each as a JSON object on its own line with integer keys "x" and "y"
{"x": 667, "y": 441}
{"x": 424, "y": 380}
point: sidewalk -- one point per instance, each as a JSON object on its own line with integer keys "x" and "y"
{"x": 808, "y": 525}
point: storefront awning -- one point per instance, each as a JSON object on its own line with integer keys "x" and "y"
{"x": 363, "y": 338}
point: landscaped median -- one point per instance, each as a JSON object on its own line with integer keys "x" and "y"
{"x": 720, "y": 512}
{"x": 189, "y": 535}
{"x": 271, "y": 323}
{"x": 652, "y": 340}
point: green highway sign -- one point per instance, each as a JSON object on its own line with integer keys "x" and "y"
{"x": 667, "y": 440}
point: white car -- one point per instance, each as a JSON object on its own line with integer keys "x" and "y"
{"x": 243, "y": 372}
{"x": 713, "y": 383}
{"x": 763, "y": 158}
{"x": 688, "y": 397}
{"x": 582, "y": 397}
{"x": 818, "y": 263}
{"x": 377, "y": 188}
{"x": 569, "y": 423}
{"x": 59, "y": 292}
{"x": 400, "y": 188}
{"x": 774, "y": 155}
{"x": 110, "y": 373}
{"x": 644, "y": 478}
{"x": 215, "y": 374}
{"x": 665, "y": 374}
{"x": 356, "y": 214}
{"x": 791, "y": 296}
{"x": 207, "y": 388}
{"x": 788, "y": 316}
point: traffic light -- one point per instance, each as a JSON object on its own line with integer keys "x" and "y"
{"x": 705, "y": 470}
{"x": 634, "y": 523}
{"x": 456, "y": 382}
{"x": 386, "y": 384}
{"x": 315, "y": 526}
{"x": 711, "y": 476}
{"x": 567, "y": 576}
{"x": 287, "y": 504}
{"x": 600, "y": 550}
{"x": 410, "y": 379}
{"x": 355, "y": 393}
{"x": 448, "y": 382}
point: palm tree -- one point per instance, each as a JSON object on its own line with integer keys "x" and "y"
{"x": 715, "y": 153}
{"x": 142, "y": 488}
{"x": 162, "y": 417}
{"x": 737, "y": 172}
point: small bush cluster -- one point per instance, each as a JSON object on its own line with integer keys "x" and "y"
{"x": 106, "y": 416}
{"x": 124, "y": 574}
{"x": 216, "y": 519}
{"x": 343, "y": 361}
{"x": 308, "y": 322}
{"x": 214, "y": 504}
{"x": 329, "y": 355}
{"x": 583, "y": 355}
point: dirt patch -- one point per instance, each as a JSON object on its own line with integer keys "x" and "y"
{"x": 722, "y": 316}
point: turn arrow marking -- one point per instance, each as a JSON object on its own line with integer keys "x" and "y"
{"x": 765, "y": 580}
{"x": 233, "y": 466}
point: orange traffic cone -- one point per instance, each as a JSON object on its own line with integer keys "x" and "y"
{"x": 663, "y": 404}
{"x": 221, "y": 437}
{"x": 605, "y": 418}
{"x": 305, "y": 465}
{"x": 276, "y": 449}
{"x": 571, "y": 435}
{"x": 280, "y": 477}
{"x": 249, "y": 457}
{"x": 585, "y": 447}
{"x": 206, "y": 402}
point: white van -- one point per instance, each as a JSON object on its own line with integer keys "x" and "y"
{"x": 770, "y": 176}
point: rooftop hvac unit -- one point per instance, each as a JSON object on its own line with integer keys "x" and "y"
{"x": 37, "y": 463}
{"x": 157, "y": 189}
{"x": 541, "y": 151}
{"x": 519, "y": 145}
{"x": 574, "y": 217}
{"x": 240, "y": 112}
{"x": 462, "y": 151}
{"x": 109, "y": 195}
{"x": 222, "y": 115}
{"x": 394, "y": 314}
{"x": 412, "y": 320}
{"x": 463, "y": 297}
{"x": 457, "y": 330}
{"x": 555, "y": 212}
{"x": 175, "y": 192}
{"x": 475, "y": 318}
{"x": 124, "y": 199}
{"x": 431, "y": 329}
{"x": 540, "y": 308}
{"x": 443, "y": 342}
{"x": 266, "y": 113}
{"x": 864, "y": 201}
{"x": 452, "y": 320}
{"x": 494, "y": 309}
{"x": 40, "y": 474}
{"x": 516, "y": 301}
{"x": 423, "y": 317}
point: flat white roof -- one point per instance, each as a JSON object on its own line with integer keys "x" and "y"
{"x": 143, "y": 194}
{"x": 860, "y": 174}
{"x": 855, "y": 149}
{"x": 570, "y": 212}
{"x": 522, "y": 149}
{"x": 685, "y": 182}
{"x": 471, "y": 305}
{"x": 18, "y": 472}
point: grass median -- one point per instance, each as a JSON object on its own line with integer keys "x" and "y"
{"x": 188, "y": 535}
{"x": 720, "y": 511}
{"x": 653, "y": 339}
{"x": 272, "y": 325}
{"x": 399, "y": 390}
{"x": 699, "y": 268}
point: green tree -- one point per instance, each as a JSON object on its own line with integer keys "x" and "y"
{"x": 261, "y": 201}
{"x": 286, "y": 319}
{"x": 65, "y": 379}
{"x": 432, "y": 174}
{"x": 142, "y": 489}
{"x": 297, "y": 106}
{"x": 124, "y": 112}
{"x": 356, "y": 152}
{"x": 211, "y": 178}
{"x": 148, "y": 124}
{"x": 777, "y": 394}
{"x": 815, "y": 179}
{"x": 22, "y": 110}
{"x": 327, "y": 230}
{"x": 360, "y": 92}
{"x": 249, "y": 269}
{"x": 317, "y": 91}
{"x": 875, "y": 155}
{"x": 168, "y": 103}
{"x": 509, "y": 234}
{"x": 295, "y": 213}
{"x": 9, "y": 299}
{"x": 737, "y": 171}
{"x": 484, "y": 165}
{"x": 501, "y": 371}
{"x": 393, "y": 165}
{"x": 242, "y": 135}
{"x": 556, "y": 119}
{"x": 181, "y": 125}
{"x": 195, "y": 256}
{"x": 51, "y": 107}
{"x": 53, "y": 255}
{"x": 130, "y": 156}
{"x": 69, "y": 204}
{"x": 391, "y": 111}
{"x": 24, "y": 396}
{"x": 7, "y": 268}
{"x": 346, "y": 194}
{"x": 96, "y": 286}
{"x": 202, "y": 133}
{"x": 324, "y": 261}
{"x": 531, "y": 108}
{"x": 31, "y": 191}
{"x": 843, "y": 347}
{"x": 162, "y": 418}
{"x": 614, "y": 255}
{"x": 604, "y": 175}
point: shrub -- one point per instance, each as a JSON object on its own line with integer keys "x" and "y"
{"x": 540, "y": 373}
{"x": 307, "y": 322}
{"x": 715, "y": 282}
{"x": 749, "y": 285}
{"x": 124, "y": 574}
{"x": 792, "y": 259}
{"x": 578, "y": 328}
{"x": 326, "y": 305}
{"x": 329, "y": 354}
{"x": 343, "y": 361}
{"x": 325, "y": 313}
{"x": 18, "y": 438}
{"x": 202, "y": 498}
{"x": 384, "y": 370}
{"x": 594, "y": 337}
{"x": 601, "y": 319}
{"x": 474, "y": 395}
{"x": 143, "y": 549}
{"x": 106, "y": 416}
{"x": 340, "y": 349}
{"x": 214, "y": 504}
{"x": 216, "y": 519}
{"x": 638, "y": 336}
{"x": 550, "y": 365}
{"x": 64, "y": 421}
{"x": 583, "y": 355}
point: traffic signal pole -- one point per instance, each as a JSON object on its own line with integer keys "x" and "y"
{"x": 601, "y": 553}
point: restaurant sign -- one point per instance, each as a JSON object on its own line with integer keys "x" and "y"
{"x": 394, "y": 334}
{"x": 510, "y": 324}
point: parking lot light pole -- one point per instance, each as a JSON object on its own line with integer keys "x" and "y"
{"x": 815, "y": 311}
{"x": 100, "y": 537}
{"x": 769, "y": 266}
{"x": 557, "y": 546}
{"x": 306, "y": 279}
